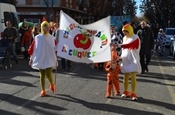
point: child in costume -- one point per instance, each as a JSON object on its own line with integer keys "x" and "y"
{"x": 43, "y": 57}
{"x": 112, "y": 68}
{"x": 130, "y": 64}
{"x": 116, "y": 37}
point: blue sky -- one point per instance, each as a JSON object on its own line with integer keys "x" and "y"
{"x": 138, "y": 2}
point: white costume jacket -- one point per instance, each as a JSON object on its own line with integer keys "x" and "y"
{"x": 42, "y": 52}
{"x": 130, "y": 54}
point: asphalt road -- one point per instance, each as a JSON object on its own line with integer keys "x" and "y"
{"x": 82, "y": 91}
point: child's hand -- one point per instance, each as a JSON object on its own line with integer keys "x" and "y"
{"x": 119, "y": 59}
{"x": 30, "y": 62}
{"x": 118, "y": 45}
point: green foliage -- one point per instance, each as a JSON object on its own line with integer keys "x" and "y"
{"x": 159, "y": 11}
{"x": 103, "y": 8}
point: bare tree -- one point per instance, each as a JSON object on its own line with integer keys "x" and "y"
{"x": 104, "y": 8}
{"x": 159, "y": 11}
{"x": 49, "y": 11}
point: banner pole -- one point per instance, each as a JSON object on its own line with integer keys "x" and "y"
{"x": 56, "y": 74}
{"x": 112, "y": 74}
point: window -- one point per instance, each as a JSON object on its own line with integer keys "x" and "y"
{"x": 12, "y": 17}
{"x": 36, "y": 2}
{"x": 67, "y": 4}
{"x": 36, "y": 20}
{"x": 49, "y": 2}
{"x": 28, "y": 20}
{"x": 170, "y": 31}
{"x": 79, "y": 1}
{"x": 21, "y": 2}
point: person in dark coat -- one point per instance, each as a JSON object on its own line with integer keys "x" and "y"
{"x": 147, "y": 45}
{"x": 11, "y": 34}
{"x": 22, "y": 30}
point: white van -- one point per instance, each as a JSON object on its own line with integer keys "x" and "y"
{"x": 7, "y": 12}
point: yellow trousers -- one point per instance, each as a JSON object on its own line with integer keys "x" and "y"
{"x": 133, "y": 81}
{"x": 45, "y": 72}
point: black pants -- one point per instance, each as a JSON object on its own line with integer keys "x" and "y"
{"x": 145, "y": 60}
{"x": 100, "y": 66}
{"x": 25, "y": 53}
{"x": 64, "y": 63}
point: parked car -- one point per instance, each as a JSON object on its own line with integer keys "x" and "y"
{"x": 169, "y": 32}
{"x": 172, "y": 47}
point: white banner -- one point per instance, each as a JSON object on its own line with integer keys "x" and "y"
{"x": 84, "y": 43}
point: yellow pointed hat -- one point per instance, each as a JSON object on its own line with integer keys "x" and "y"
{"x": 44, "y": 23}
{"x": 129, "y": 29}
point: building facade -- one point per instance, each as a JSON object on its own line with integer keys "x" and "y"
{"x": 36, "y": 10}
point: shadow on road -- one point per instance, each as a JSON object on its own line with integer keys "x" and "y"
{"x": 32, "y": 106}
{"x": 18, "y": 70}
{"x": 106, "y": 107}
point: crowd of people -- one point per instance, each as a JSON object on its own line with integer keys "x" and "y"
{"x": 131, "y": 52}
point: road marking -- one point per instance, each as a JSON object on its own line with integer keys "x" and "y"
{"x": 108, "y": 101}
{"x": 173, "y": 68}
{"x": 71, "y": 72}
{"x": 170, "y": 88}
{"x": 28, "y": 102}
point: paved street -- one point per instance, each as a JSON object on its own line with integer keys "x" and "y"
{"x": 82, "y": 91}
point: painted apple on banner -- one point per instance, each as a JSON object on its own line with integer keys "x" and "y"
{"x": 82, "y": 40}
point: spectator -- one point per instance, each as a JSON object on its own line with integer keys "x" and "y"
{"x": 43, "y": 57}
{"x": 161, "y": 40}
{"x": 100, "y": 66}
{"x": 26, "y": 41}
{"x": 156, "y": 30}
{"x": 35, "y": 31}
{"x": 147, "y": 45}
{"x": 65, "y": 64}
{"x": 135, "y": 27}
{"x": 51, "y": 27}
{"x": 55, "y": 27}
{"x": 22, "y": 30}
{"x": 11, "y": 34}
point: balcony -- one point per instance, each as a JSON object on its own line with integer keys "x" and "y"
{"x": 36, "y": 3}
